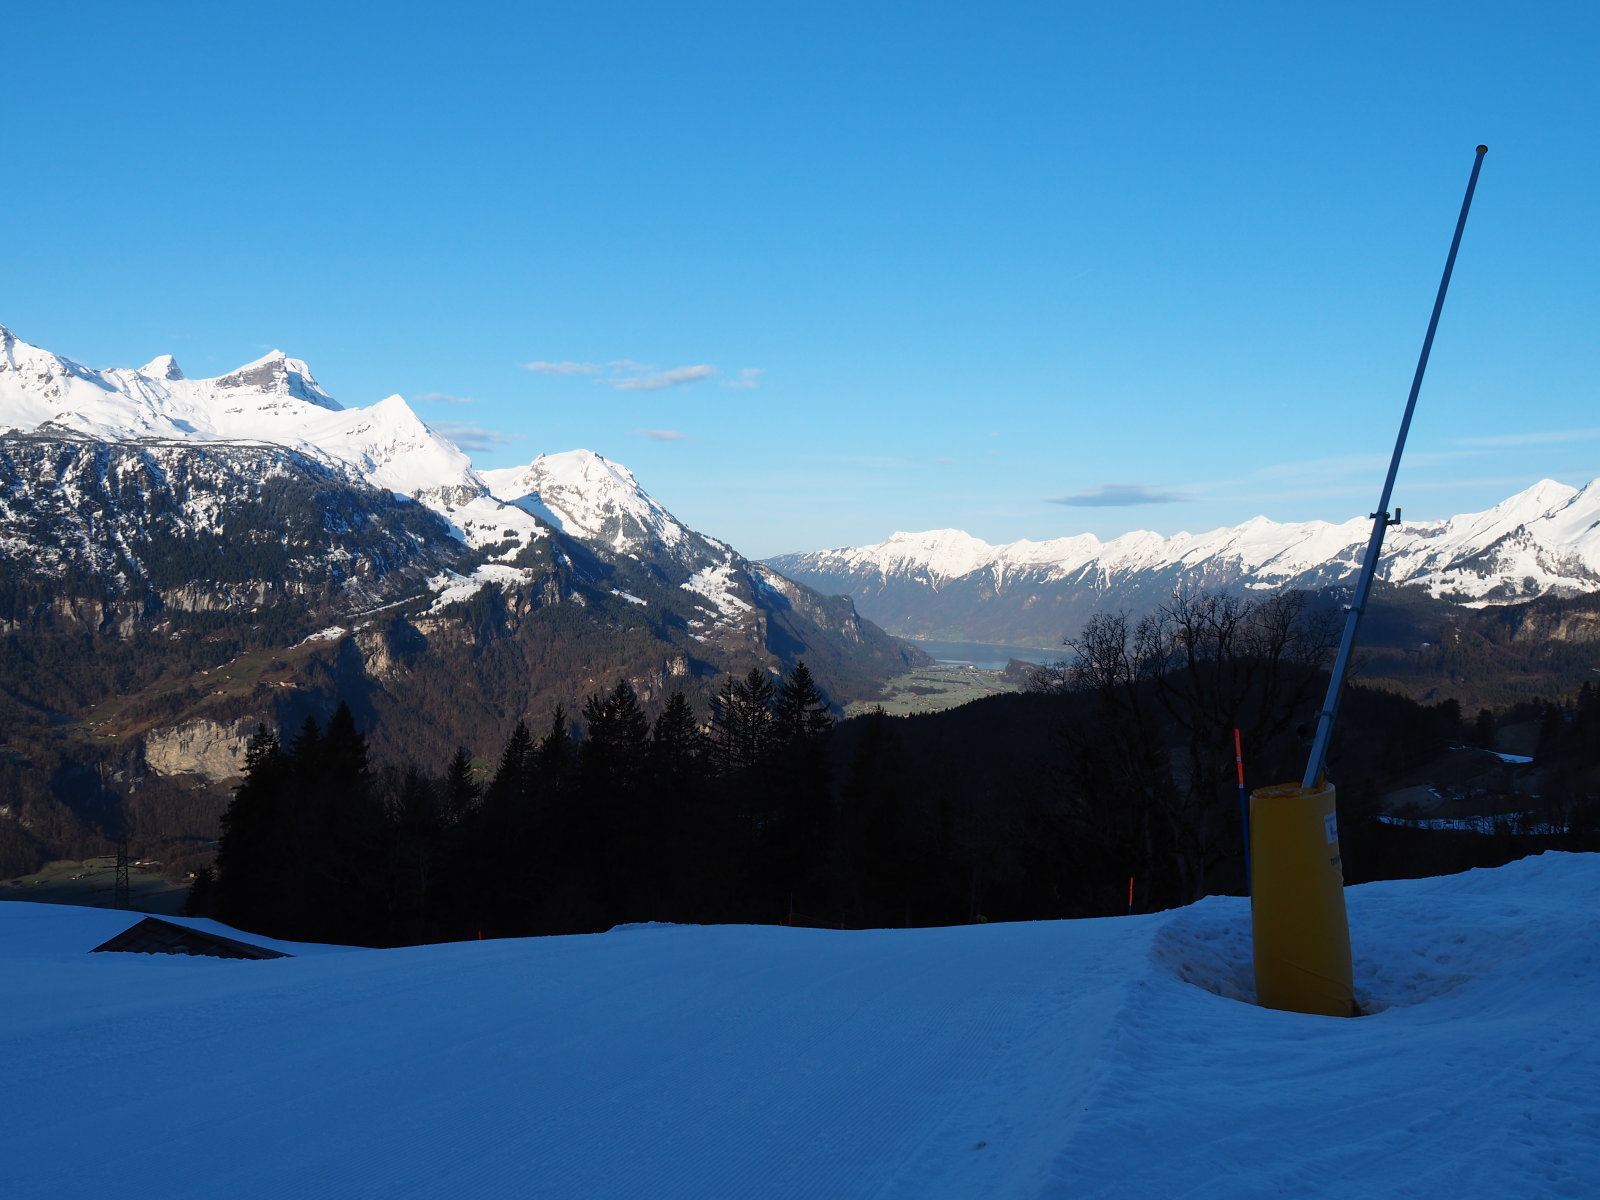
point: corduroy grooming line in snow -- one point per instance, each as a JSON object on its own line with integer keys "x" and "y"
{"x": 1299, "y": 931}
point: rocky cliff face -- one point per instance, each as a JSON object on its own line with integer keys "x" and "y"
{"x": 215, "y": 752}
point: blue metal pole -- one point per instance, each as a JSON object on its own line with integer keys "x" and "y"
{"x": 1381, "y": 519}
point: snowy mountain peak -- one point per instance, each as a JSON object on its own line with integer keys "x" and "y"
{"x": 588, "y": 496}
{"x": 162, "y": 366}
{"x": 275, "y": 373}
{"x": 1539, "y": 501}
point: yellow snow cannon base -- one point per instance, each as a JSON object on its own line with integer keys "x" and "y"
{"x": 1299, "y": 930}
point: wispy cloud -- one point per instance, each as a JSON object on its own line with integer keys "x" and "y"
{"x": 473, "y": 437}
{"x": 1531, "y": 439}
{"x": 662, "y": 435}
{"x": 1118, "y": 495}
{"x": 875, "y": 461}
{"x": 562, "y": 368}
{"x": 660, "y": 380}
{"x": 444, "y": 398}
{"x": 630, "y": 375}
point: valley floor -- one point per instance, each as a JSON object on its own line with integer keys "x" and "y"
{"x": 1102, "y": 1058}
{"x": 92, "y": 883}
{"x": 933, "y": 689}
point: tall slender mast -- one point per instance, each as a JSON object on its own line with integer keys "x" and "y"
{"x": 1381, "y": 519}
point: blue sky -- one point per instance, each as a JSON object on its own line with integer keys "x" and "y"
{"x": 820, "y": 272}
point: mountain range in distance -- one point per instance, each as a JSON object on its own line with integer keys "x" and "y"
{"x": 946, "y": 584}
{"x": 137, "y": 500}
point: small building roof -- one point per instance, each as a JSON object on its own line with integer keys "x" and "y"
{"x": 155, "y": 936}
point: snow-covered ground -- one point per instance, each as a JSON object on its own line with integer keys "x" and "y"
{"x": 1108, "y": 1058}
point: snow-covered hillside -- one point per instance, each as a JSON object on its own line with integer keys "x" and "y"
{"x": 1106, "y": 1058}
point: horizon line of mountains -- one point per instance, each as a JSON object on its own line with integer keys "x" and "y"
{"x": 935, "y": 584}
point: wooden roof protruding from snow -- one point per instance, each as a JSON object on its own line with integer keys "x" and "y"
{"x": 155, "y": 936}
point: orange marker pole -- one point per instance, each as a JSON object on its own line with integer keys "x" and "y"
{"x": 1244, "y": 808}
{"x": 1130, "y": 895}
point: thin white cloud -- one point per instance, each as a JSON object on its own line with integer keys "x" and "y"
{"x": 630, "y": 375}
{"x": 661, "y": 380}
{"x": 894, "y": 461}
{"x": 473, "y": 437}
{"x": 444, "y": 398}
{"x": 1118, "y": 495}
{"x": 1530, "y": 439}
{"x": 662, "y": 435}
{"x": 562, "y": 368}
{"x": 747, "y": 378}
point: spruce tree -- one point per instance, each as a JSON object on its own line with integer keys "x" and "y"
{"x": 512, "y": 778}
{"x": 616, "y": 828}
{"x": 797, "y": 776}
{"x": 742, "y": 723}
{"x": 800, "y": 710}
{"x": 461, "y": 788}
{"x": 686, "y": 836}
{"x": 677, "y": 746}
{"x": 251, "y": 862}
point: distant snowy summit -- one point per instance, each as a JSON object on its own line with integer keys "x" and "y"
{"x": 1544, "y": 540}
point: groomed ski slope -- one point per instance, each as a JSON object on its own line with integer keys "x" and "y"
{"x": 1056, "y": 1059}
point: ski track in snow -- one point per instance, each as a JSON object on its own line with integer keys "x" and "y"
{"x": 1114, "y": 1057}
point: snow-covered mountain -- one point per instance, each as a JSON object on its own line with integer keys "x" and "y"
{"x": 133, "y": 499}
{"x": 274, "y": 401}
{"x": 588, "y": 497}
{"x": 1545, "y": 540}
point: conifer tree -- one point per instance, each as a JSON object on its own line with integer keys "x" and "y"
{"x": 677, "y": 746}
{"x": 555, "y": 753}
{"x": 461, "y": 788}
{"x": 682, "y": 825}
{"x": 251, "y": 854}
{"x": 614, "y": 825}
{"x": 617, "y": 737}
{"x": 741, "y": 722}
{"x": 512, "y": 778}
{"x": 504, "y": 840}
{"x": 797, "y": 777}
{"x": 800, "y": 711}
{"x": 343, "y": 893}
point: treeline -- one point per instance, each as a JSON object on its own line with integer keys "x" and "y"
{"x": 1117, "y": 769}
{"x": 622, "y": 819}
